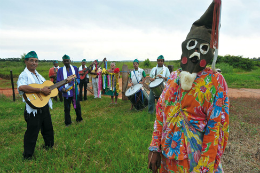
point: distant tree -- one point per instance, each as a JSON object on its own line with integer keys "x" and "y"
{"x": 23, "y": 58}
{"x": 147, "y": 63}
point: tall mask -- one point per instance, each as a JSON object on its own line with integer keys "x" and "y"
{"x": 199, "y": 46}
{"x": 196, "y": 49}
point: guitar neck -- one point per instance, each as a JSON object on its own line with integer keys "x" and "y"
{"x": 59, "y": 84}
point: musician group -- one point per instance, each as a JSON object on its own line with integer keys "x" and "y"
{"x": 104, "y": 81}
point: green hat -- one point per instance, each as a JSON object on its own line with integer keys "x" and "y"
{"x": 65, "y": 57}
{"x": 84, "y": 60}
{"x": 160, "y": 57}
{"x": 96, "y": 60}
{"x": 55, "y": 61}
{"x": 136, "y": 60}
{"x": 31, "y": 54}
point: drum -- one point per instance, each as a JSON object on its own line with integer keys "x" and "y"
{"x": 138, "y": 96}
{"x": 157, "y": 87}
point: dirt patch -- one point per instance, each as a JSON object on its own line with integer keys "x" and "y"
{"x": 244, "y": 92}
{"x": 8, "y": 92}
{"x": 242, "y": 153}
{"x": 234, "y": 93}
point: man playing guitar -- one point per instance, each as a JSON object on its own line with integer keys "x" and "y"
{"x": 84, "y": 79}
{"x": 36, "y": 119}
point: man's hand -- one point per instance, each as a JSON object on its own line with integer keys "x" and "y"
{"x": 46, "y": 90}
{"x": 63, "y": 90}
{"x": 130, "y": 81}
{"x": 154, "y": 161}
{"x": 69, "y": 80}
{"x": 152, "y": 79}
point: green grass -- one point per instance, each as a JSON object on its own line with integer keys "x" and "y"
{"x": 243, "y": 79}
{"x": 111, "y": 138}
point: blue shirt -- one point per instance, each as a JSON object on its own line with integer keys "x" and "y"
{"x": 61, "y": 78}
{"x": 23, "y": 80}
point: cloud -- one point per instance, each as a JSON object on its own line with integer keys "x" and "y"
{"x": 119, "y": 29}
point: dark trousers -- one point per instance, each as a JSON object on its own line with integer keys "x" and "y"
{"x": 60, "y": 97}
{"x": 41, "y": 120}
{"x": 81, "y": 84}
{"x": 67, "y": 103}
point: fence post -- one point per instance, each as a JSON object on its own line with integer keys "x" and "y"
{"x": 12, "y": 85}
{"x": 124, "y": 81}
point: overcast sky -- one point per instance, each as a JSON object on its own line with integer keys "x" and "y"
{"x": 120, "y": 29}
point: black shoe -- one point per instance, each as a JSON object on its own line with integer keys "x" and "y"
{"x": 46, "y": 147}
{"x": 79, "y": 120}
{"x": 67, "y": 125}
{"x": 27, "y": 157}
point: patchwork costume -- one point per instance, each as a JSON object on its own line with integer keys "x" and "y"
{"x": 95, "y": 80}
{"x": 191, "y": 127}
{"x": 192, "y": 115}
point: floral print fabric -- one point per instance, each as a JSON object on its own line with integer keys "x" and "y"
{"x": 193, "y": 125}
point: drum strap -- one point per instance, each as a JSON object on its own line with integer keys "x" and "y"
{"x": 136, "y": 77}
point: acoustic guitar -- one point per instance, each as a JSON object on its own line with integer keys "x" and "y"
{"x": 39, "y": 100}
{"x": 95, "y": 71}
{"x": 84, "y": 72}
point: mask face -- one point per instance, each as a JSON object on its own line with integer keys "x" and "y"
{"x": 196, "y": 54}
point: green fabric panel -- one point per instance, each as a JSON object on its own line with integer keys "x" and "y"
{"x": 144, "y": 75}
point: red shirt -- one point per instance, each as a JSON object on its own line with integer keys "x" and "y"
{"x": 52, "y": 72}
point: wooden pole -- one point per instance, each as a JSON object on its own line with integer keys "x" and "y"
{"x": 12, "y": 85}
{"x": 124, "y": 81}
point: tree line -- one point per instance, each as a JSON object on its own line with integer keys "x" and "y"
{"x": 234, "y": 61}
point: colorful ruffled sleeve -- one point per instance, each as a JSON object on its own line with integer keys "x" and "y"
{"x": 216, "y": 131}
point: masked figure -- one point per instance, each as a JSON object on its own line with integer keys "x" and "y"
{"x": 192, "y": 115}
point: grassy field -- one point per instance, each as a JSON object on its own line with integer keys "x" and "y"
{"x": 114, "y": 139}
{"x": 237, "y": 79}
{"x": 243, "y": 79}
{"x": 111, "y": 138}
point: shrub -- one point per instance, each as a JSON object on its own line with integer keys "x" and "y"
{"x": 147, "y": 63}
{"x": 237, "y": 62}
{"x": 225, "y": 68}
